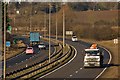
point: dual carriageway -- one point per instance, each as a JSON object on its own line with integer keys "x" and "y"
{"x": 70, "y": 67}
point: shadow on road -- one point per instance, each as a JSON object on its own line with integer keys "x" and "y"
{"x": 104, "y": 66}
{"x": 110, "y": 65}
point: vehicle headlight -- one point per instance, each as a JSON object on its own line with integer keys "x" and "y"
{"x": 86, "y": 63}
{"x": 98, "y": 53}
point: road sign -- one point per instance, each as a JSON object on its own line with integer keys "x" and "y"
{"x": 69, "y": 33}
{"x": 7, "y": 43}
{"x": 15, "y": 41}
{"x": 9, "y": 29}
{"x": 115, "y": 41}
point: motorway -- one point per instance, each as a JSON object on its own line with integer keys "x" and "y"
{"x": 75, "y": 68}
{"x": 22, "y": 57}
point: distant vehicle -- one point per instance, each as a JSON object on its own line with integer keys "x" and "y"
{"x": 41, "y": 36}
{"x": 29, "y": 50}
{"x": 74, "y": 38}
{"x": 93, "y": 57}
{"x": 34, "y": 37}
{"x": 41, "y": 46}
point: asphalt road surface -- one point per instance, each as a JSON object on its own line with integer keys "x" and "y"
{"x": 75, "y": 68}
{"x": 23, "y": 57}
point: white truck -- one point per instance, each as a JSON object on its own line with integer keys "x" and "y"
{"x": 93, "y": 57}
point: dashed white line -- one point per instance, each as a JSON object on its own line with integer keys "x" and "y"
{"x": 17, "y": 55}
{"x": 70, "y": 75}
{"x": 76, "y": 71}
{"x": 61, "y": 66}
{"x": 81, "y": 68}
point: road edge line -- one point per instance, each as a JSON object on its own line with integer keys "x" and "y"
{"x": 62, "y": 65}
{"x": 108, "y": 63}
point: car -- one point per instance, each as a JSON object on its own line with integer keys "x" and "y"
{"x": 41, "y": 46}
{"x": 74, "y": 38}
{"x": 29, "y": 50}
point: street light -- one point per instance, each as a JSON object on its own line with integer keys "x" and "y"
{"x": 31, "y": 17}
{"x": 56, "y": 22}
{"x": 45, "y": 24}
{"x": 4, "y": 72}
{"x": 49, "y": 29}
{"x": 63, "y": 25}
{"x": 17, "y": 12}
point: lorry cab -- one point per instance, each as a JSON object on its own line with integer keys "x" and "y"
{"x": 93, "y": 57}
{"x": 92, "y": 51}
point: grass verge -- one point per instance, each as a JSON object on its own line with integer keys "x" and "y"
{"x": 13, "y": 52}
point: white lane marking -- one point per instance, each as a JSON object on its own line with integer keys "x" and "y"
{"x": 70, "y": 75}
{"x": 36, "y": 55}
{"x": 105, "y": 67}
{"x": 54, "y": 51}
{"x": 76, "y": 71}
{"x": 16, "y": 55}
{"x": 61, "y": 66}
{"x": 32, "y": 56}
{"x": 39, "y": 52}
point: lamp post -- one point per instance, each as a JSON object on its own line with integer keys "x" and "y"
{"x": 49, "y": 30}
{"x": 63, "y": 25}
{"x": 45, "y": 24}
{"x": 31, "y": 18}
{"x": 4, "y": 71}
{"x": 56, "y": 23}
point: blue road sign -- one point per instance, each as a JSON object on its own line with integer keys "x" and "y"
{"x": 7, "y": 43}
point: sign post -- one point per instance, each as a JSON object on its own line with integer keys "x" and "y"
{"x": 7, "y": 45}
{"x": 4, "y": 71}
